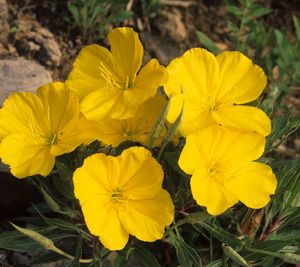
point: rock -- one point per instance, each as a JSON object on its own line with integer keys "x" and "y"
{"x": 172, "y": 24}
{"x": 161, "y": 48}
{"x": 20, "y": 75}
{"x": 33, "y": 40}
{"x": 3, "y": 22}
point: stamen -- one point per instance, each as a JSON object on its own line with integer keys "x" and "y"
{"x": 118, "y": 197}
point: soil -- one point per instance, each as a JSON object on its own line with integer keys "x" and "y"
{"x": 166, "y": 33}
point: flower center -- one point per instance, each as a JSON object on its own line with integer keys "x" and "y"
{"x": 127, "y": 128}
{"x": 215, "y": 173}
{"x": 128, "y": 84}
{"x": 118, "y": 197}
{"x": 212, "y": 105}
{"x": 220, "y": 173}
{"x": 112, "y": 79}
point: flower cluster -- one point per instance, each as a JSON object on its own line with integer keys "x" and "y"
{"x": 111, "y": 98}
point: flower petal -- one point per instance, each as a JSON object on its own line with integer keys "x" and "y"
{"x": 244, "y": 117}
{"x": 240, "y": 148}
{"x": 137, "y": 128}
{"x": 102, "y": 220}
{"x": 151, "y": 76}
{"x": 175, "y": 107}
{"x": 19, "y": 112}
{"x": 87, "y": 74}
{"x": 99, "y": 104}
{"x": 97, "y": 176}
{"x": 239, "y": 77}
{"x": 84, "y": 132}
{"x": 127, "y": 51}
{"x": 142, "y": 175}
{"x": 211, "y": 193}
{"x": 253, "y": 185}
{"x": 147, "y": 218}
{"x": 191, "y": 157}
{"x": 62, "y": 116}
{"x": 195, "y": 73}
{"x": 220, "y": 145}
{"x": 24, "y": 157}
{"x": 194, "y": 118}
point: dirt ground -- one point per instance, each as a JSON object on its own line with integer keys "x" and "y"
{"x": 38, "y": 29}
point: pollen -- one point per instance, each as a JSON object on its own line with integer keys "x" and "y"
{"x": 118, "y": 197}
{"x": 215, "y": 172}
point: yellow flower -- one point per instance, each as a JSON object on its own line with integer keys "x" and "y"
{"x": 123, "y": 195}
{"x": 110, "y": 84}
{"x": 212, "y": 89}
{"x": 34, "y": 128}
{"x": 136, "y": 129}
{"x": 220, "y": 161}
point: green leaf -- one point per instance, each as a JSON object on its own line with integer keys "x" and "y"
{"x": 63, "y": 181}
{"x": 16, "y": 241}
{"x": 291, "y": 258}
{"x": 207, "y": 42}
{"x": 120, "y": 16}
{"x": 50, "y": 201}
{"x": 233, "y": 9}
{"x": 75, "y": 262}
{"x": 75, "y": 13}
{"x": 64, "y": 187}
{"x": 192, "y": 218}
{"x": 297, "y": 27}
{"x": 63, "y": 225}
{"x": 46, "y": 243}
{"x": 186, "y": 255}
{"x": 159, "y": 125}
{"x": 170, "y": 133}
{"x": 281, "y": 41}
{"x": 172, "y": 160}
{"x": 37, "y": 237}
{"x": 222, "y": 235}
{"x": 281, "y": 127}
{"x": 259, "y": 11}
{"x": 123, "y": 257}
{"x": 216, "y": 263}
{"x": 64, "y": 171}
{"x": 236, "y": 257}
{"x": 147, "y": 257}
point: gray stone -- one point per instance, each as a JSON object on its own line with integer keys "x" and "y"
{"x": 21, "y": 75}
{"x": 33, "y": 40}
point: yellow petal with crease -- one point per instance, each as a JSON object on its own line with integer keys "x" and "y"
{"x": 103, "y": 221}
{"x": 98, "y": 104}
{"x": 244, "y": 117}
{"x": 127, "y": 51}
{"x": 211, "y": 193}
{"x": 195, "y": 73}
{"x": 25, "y": 157}
{"x": 87, "y": 75}
{"x": 240, "y": 77}
{"x": 253, "y": 185}
{"x": 147, "y": 218}
{"x": 62, "y": 106}
{"x": 83, "y": 132}
{"x": 19, "y": 112}
{"x": 142, "y": 176}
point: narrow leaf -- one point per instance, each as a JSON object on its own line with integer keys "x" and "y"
{"x": 207, "y": 42}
